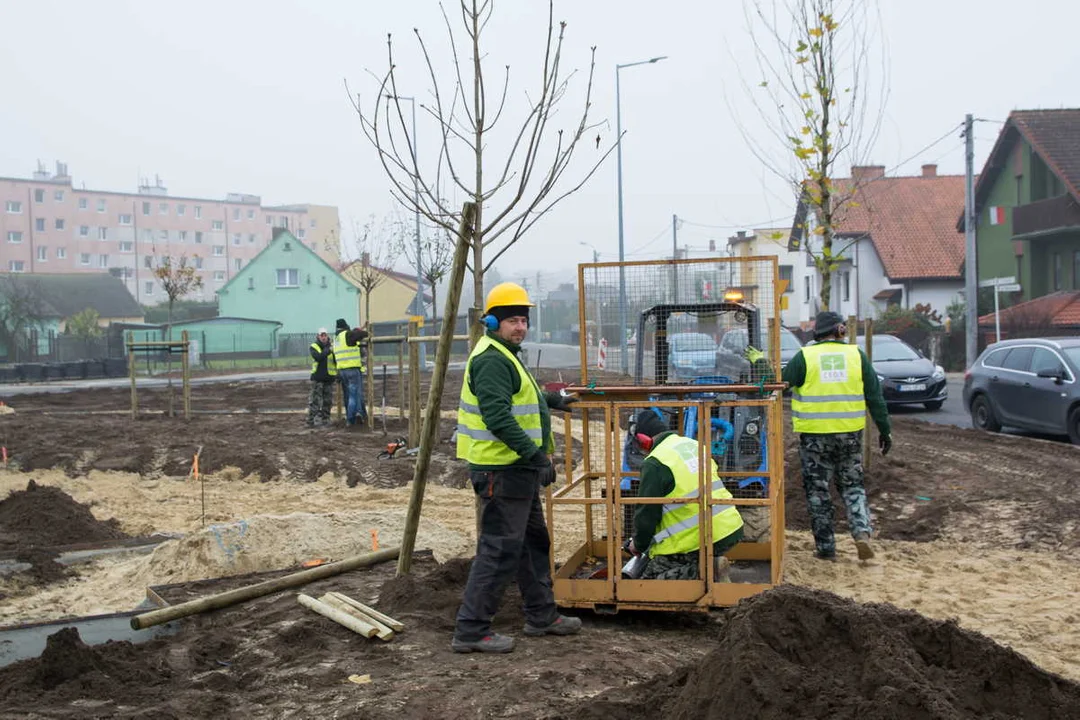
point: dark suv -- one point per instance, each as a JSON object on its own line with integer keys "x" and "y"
{"x": 1030, "y": 384}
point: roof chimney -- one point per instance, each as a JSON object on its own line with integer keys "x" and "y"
{"x": 929, "y": 170}
{"x": 862, "y": 173}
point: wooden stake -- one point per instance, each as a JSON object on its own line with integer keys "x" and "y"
{"x": 131, "y": 372}
{"x": 414, "y": 386}
{"x": 369, "y": 367}
{"x": 866, "y": 454}
{"x": 239, "y": 595}
{"x": 401, "y": 380}
{"x": 185, "y": 368}
{"x": 342, "y": 618}
{"x": 386, "y": 620}
{"x": 438, "y": 379}
{"x": 381, "y": 631}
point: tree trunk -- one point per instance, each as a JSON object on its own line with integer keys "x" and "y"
{"x": 168, "y": 356}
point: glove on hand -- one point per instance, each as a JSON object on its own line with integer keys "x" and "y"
{"x": 562, "y": 400}
{"x": 752, "y": 354}
{"x": 544, "y": 467}
{"x": 885, "y": 443}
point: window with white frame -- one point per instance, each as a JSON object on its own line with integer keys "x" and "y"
{"x": 301, "y": 233}
{"x": 103, "y": 261}
{"x": 83, "y": 203}
{"x": 236, "y": 213}
{"x": 181, "y": 209}
{"x": 163, "y": 235}
{"x": 219, "y": 250}
{"x": 127, "y": 246}
{"x": 251, "y": 239}
{"x": 84, "y": 258}
{"x": 148, "y": 289}
{"x": 846, "y": 286}
{"x": 217, "y": 225}
{"x": 198, "y": 262}
{"x": 101, "y": 206}
{"x": 16, "y": 266}
{"x": 59, "y": 223}
{"x": 42, "y": 253}
{"x": 58, "y": 196}
{"x": 269, "y": 219}
{"x": 251, "y": 214}
{"x": 148, "y": 235}
{"x": 146, "y": 208}
{"x": 39, "y": 224}
{"x": 125, "y": 219}
{"x": 237, "y": 264}
{"x": 163, "y": 208}
{"x": 219, "y": 276}
{"x": 284, "y": 222}
{"x": 103, "y": 233}
{"x": 39, "y": 195}
{"x": 61, "y": 253}
{"x": 198, "y": 238}
{"x": 181, "y": 236}
{"x": 198, "y": 211}
{"x": 288, "y": 277}
{"x": 84, "y": 231}
{"x": 236, "y": 238}
{"x": 14, "y": 236}
{"x": 13, "y": 207}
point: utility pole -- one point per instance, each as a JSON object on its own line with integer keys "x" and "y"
{"x": 971, "y": 275}
{"x": 674, "y": 257}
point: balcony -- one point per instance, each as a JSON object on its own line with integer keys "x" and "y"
{"x": 1046, "y": 216}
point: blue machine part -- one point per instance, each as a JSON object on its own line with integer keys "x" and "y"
{"x": 762, "y": 468}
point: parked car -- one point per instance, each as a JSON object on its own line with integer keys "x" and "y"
{"x": 734, "y": 341}
{"x": 1030, "y": 384}
{"x": 691, "y": 355}
{"x": 907, "y": 377}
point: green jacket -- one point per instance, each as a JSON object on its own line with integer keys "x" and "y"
{"x": 656, "y": 481}
{"x": 795, "y": 375}
{"x": 494, "y": 381}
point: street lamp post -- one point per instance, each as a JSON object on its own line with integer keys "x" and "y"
{"x": 624, "y": 359}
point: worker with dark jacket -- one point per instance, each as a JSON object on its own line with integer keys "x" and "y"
{"x": 323, "y": 375}
{"x": 833, "y": 384}
{"x": 670, "y": 534}
{"x": 504, "y": 432}
{"x": 350, "y": 367}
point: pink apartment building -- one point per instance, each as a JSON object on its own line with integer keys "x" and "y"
{"x": 47, "y": 225}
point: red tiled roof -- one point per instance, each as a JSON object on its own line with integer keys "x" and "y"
{"x": 911, "y": 221}
{"x": 1060, "y": 309}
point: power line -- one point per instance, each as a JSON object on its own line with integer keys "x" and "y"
{"x": 928, "y": 147}
{"x": 655, "y": 237}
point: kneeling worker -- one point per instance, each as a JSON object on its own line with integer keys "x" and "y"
{"x": 669, "y": 533}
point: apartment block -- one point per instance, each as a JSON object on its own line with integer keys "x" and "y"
{"x": 48, "y": 225}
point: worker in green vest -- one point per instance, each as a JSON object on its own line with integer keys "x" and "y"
{"x": 833, "y": 384}
{"x": 350, "y": 368}
{"x": 323, "y": 375}
{"x": 670, "y": 534}
{"x": 504, "y": 432}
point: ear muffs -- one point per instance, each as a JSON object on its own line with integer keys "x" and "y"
{"x": 644, "y": 441}
{"x": 490, "y": 322}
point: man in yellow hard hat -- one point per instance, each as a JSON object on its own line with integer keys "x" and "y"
{"x": 504, "y": 431}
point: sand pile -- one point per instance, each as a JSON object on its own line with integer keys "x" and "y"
{"x": 795, "y": 652}
{"x": 43, "y": 516}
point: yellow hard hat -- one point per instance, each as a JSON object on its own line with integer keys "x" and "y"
{"x": 507, "y": 293}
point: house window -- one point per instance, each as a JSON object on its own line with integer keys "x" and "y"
{"x": 83, "y": 203}
{"x": 269, "y": 220}
{"x": 163, "y": 208}
{"x": 180, "y": 209}
{"x": 1044, "y": 183}
{"x": 323, "y": 283}
{"x": 148, "y": 235}
{"x": 182, "y": 236}
{"x": 787, "y": 272}
{"x": 806, "y": 292}
{"x": 198, "y": 263}
{"x": 39, "y": 224}
{"x": 149, "y": 289}
{"x": 236, "y": 213}
{"x": 101, "y": 206}
{"x": 301, "y": 233}
{"x": 59, "y": 224}
{"x": 39, "y": 195}
{"x": 146, "y": 208}
{"x": 251, "y": 283}
{"x": 219, "y": 250}
{"x": 163, "y": 235}
{"x": 84, "y": 258}
{"x": 42, "y": 253}
{"x": 103, "y": 261}
{"x": 236, "y": 239}
{"x": 84, "y": 231}
{"x": 284, "y": 222}
{"x": 102, "y": 233}
{"x": 125, "y": 219}
{"x": 198, "y": 238}
{"x": 14, "y": 208}
{"x": 237, "y": 264}
{"x": 251, "y": 239}
{"x": 14, "y": 236}
{"x": 148, "y": 261}
{"x": 251, "y": 214}
{"x": 61, "y": 253}
{"x": 312, "y": 222}
{"x": 217, "y": 225}
{"x": 127, "y": 246}
{"x": 845, "y": 282}
{"x": 219, "y": 276}
{"x": 58, "y": 196}
{"x": 198, "y": 211}
{"x": 288, "y": 278}
{"x": 16, "y": 266}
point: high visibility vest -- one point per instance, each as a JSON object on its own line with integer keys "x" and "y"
{"x": 345, "y": 355}
{"x": 479, "y": 445}
{"x": 678, "y": 530}
{"x": 831, "y": 399}
{"x": 331, "y": 364}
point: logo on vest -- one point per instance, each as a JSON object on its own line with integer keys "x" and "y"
{"x": 834, "y": 368}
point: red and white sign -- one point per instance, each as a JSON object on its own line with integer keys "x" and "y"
{"x": 997, "y": 215}
{"x": 601, "y": 355}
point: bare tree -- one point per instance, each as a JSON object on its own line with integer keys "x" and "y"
{"x": 511, "y": 192}
{"x": 434, "y": 256}
{"x": 178, "y": 279}
{"x": 22, "y": 310}
{"x": 813, "y": 59}
{"x": 371, "y": 251}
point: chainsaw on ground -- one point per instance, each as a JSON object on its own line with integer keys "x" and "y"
{"x": 393, "y": 448}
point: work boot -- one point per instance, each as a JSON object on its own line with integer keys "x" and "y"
{"x": 828, "y": 555}
{"x": 721, "y": 569}
{"x": 862, "y": 543}
{"x": 493, "y": 643}
{"x": 563, "y": 625}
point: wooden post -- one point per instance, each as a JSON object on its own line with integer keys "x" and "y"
{"x": 185, "y": 371}
{"x": 401, "y": 379}
{"x": 866, "y": 455}
{"x": 370, "y": 399}
{"x": 131, "y": 372}
{"x": 438, "y": 378}
{"x": 414, "y": 386}
{"x": 853, "y": 336}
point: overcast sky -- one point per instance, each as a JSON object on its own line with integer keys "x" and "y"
{"x": 246, "y": 96}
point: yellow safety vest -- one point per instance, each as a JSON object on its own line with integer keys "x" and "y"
{"x": 479, "y": 445}
{"x": 345, "y": 355}
{"x": 331, "y": 364}
{"x": 831, "y": 399}
{"x": 678, "y": 530}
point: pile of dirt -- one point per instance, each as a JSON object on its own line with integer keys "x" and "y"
{"x": 43, "y": 516}
{"x": 795, "y": 652}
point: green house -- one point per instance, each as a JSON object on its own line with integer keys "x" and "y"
{"x": 290, "y": 284}
{"x": 1027, "y": 204}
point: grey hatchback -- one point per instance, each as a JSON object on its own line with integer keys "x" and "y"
{"x": 1029, "y": 383}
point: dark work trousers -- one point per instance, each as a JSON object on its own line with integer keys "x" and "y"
{"x": 514, "y": 542}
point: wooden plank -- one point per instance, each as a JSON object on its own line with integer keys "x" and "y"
{"x": 377, "y": 617}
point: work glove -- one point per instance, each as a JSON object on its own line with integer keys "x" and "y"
{"x": 544, "y": 467}
{"x": 752, "y": 354}
{"x": 885, "y": 443}
{"x": 562, "y": 400}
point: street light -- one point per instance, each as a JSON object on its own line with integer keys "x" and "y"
{"x": 624, "y": 359}
{"x": 419, "y": 302}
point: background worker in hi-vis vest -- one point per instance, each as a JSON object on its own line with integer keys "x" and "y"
{"x": 833, "y": 384}
{"x": 504, "y": 431}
